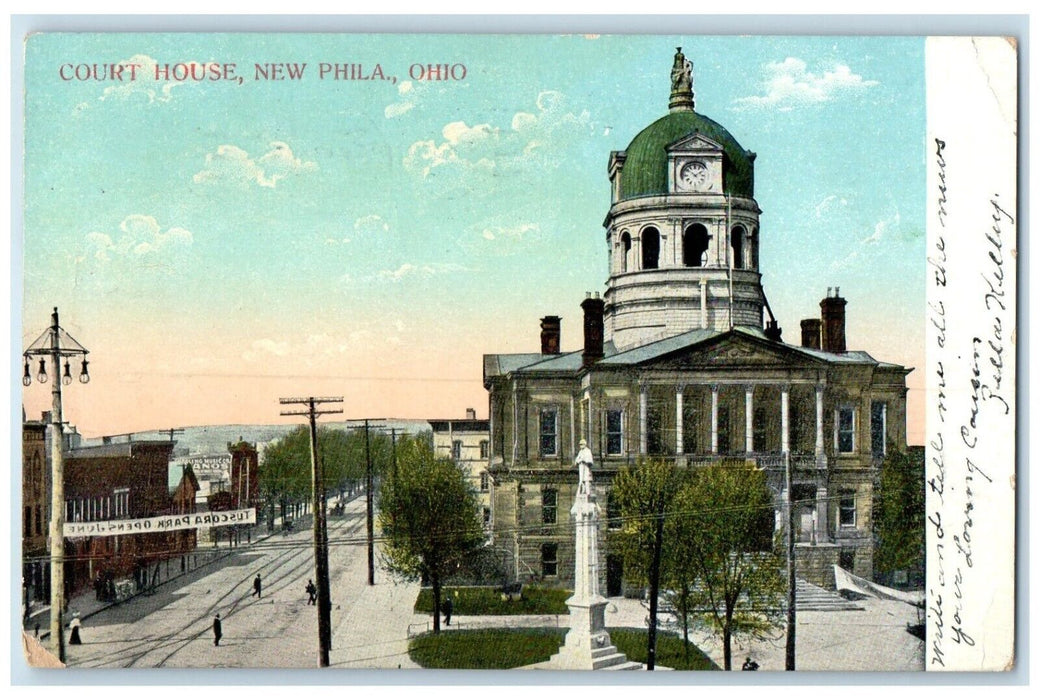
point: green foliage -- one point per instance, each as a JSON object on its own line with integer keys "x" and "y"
{"x": 640, "y": 493}
{"x": 722, "y": 552}
{"x": 672, "y": 652}
{"x": 485, "y": 648}
{"x": 501, "y": 648}
{"x": 285, "y": 472}
{"x": 429, "y": 517}
{"x": 490, "y": 601}
{"x": 899, "y": 525}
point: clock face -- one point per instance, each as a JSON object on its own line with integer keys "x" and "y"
{"x": 693, "y": 175}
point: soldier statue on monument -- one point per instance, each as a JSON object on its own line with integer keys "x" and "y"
{"x": 584, "y": 464}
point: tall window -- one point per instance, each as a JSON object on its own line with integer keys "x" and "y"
{"x": 651, "y": 248}
{"x": 655, "y": 429}
{"x": 614, "y": 433}
{"x": 846, "y": 425}
{"x": 27, "y": 527}
{"x": 122, "y": 502}
{"x": 695, "y": 246}
{"x": 456, "y": 449}
{"x": 847, "y": 509}
{"x": 737, "y": 241}
{"x": 549, "y": 506}
{"x": 547, "y": 432}
{"x": 485, "y": 448}
{"x": 724, "y": 434}
{"x": 877, "y": 428}
{"x": 487, "y": 517}
{"x": 626, "y": 250}
{"x": 690, "y": 426}
{"x": 758, "y": 429}
{"x": 548, "y": 559}
{"x": 485, "y": 481}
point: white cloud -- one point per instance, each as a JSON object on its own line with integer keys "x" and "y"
{"x": 426, "y": 270}
{"x": 486, "y": 147}
{"x": 144, "y": 85}
{"x": 141, "y": 236}
{"x": 232, "y": 164}
{"x": 789, "y": 84}
{"x": 829, "y": 204}
{"x": 514, "y": 232}
{"x": 371, "y": 225}
{"x": 867, "y": 247}
{"x": 409, "y": 98}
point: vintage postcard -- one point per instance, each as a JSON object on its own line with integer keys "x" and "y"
{"x": 575, "y": 352}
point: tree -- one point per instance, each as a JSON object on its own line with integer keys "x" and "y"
{"x": 733, "y": 569}
{"x": 285, "y": 472}
{"x": 643, "y": 495}
{"x": 899, "y": 526}
{"x": 429, "y": 518}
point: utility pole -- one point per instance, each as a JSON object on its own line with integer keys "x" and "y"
{"x": 56, "y": 343}
{"x": 368, "y": 511}
{"x": 321, "y": 545}
{"x": 789, "y": 665}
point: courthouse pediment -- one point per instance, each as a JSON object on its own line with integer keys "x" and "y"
{"x": 732, "y": 351}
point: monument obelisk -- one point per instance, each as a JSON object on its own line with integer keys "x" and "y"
{"x": 587, "y": 644}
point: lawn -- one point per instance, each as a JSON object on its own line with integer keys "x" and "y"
{"x": 502, "y": 648}
{"x": 485, "y": 648}
{"x": 488, "y": 601}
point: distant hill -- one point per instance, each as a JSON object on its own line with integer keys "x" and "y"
{"x": 214, "y": 439}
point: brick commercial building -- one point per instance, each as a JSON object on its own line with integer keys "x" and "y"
{"x": 683, "y": 360}
{"x": 117, "y": 481}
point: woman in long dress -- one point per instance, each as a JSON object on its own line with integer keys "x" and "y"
{"x": 74, "y": 625}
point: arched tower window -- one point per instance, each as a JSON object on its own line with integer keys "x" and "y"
{"x": 736, "y": 240}
{"x": 651, "y": 244}
{"x": 695, "y": 246}
{"x": 754, "y": 248}
{"x": 626, "y": 250}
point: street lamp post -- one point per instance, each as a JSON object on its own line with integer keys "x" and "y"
{"x": 56, "y": 343}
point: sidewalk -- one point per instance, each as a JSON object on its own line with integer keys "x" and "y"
{"x": 86, "y": 604}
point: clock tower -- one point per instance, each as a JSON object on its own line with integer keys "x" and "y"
{"x": 682, "y": 231}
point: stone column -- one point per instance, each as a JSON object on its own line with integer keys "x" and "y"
{"x": 749, "y": 427}
{"x": 714, "y": 419}
{"x": 642, "y": 419}
{"x": 819, "y": 420}
{"x": 785, "y": 418}
{"x": 821, "y": 514}
{"x": 679, "y": 418}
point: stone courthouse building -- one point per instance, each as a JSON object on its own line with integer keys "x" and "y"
{"x": 684, "y": 361}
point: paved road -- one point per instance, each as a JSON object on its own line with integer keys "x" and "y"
{"x": 173, "y": 627}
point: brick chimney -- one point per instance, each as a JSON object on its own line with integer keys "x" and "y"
{"x": 811, "y": 333}
{"x": 471, "y": 414}
{"x": 773, "y": 331}
{"x": 593, "y": 308}
{"x": 832, "y": 312}
{"x": 551, "y": 335}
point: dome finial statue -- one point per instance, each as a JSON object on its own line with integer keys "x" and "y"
{"x": 681, "y": 98}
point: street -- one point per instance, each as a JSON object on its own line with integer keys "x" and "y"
{"x": 173, "y": 627}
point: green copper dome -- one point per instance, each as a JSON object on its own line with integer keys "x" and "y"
{"x": 645, "y": 171}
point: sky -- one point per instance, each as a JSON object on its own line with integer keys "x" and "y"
{"x": 218, "y": 244}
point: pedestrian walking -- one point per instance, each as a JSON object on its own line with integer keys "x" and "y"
{"x": 256, "y": 586}
{"x": 447, "y": 611}
{"x": 312, "y": 592}
{"x": 74, "y": 626}
{"x": 218, "y": 631}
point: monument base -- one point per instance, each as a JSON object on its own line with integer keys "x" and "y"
{"x": 587, "y": 645}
